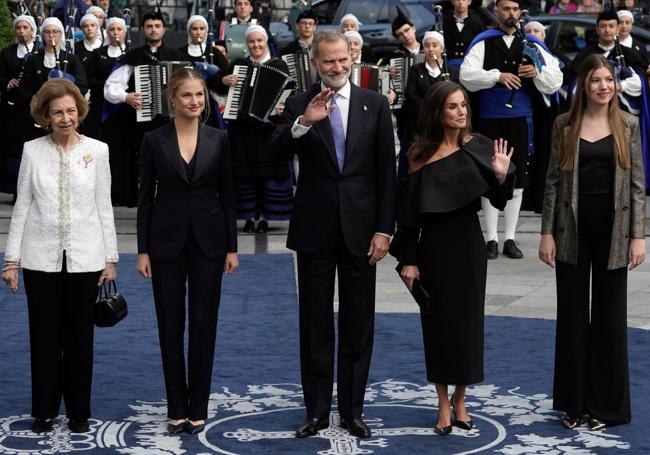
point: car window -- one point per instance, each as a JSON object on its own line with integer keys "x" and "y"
{"x": 369, "y": 11}
{"x": 574, "y": 36}
{"x": 326, "y": 10}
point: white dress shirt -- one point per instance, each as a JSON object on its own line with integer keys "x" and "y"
{"x": 63, "y": 204}
{"x": 24, "y": 49}
{"x": 475, "y": 78}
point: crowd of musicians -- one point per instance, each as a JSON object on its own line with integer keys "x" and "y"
{"x": 344, "y": 193}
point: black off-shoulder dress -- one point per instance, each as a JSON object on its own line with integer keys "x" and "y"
{"x": 442, "y": 235}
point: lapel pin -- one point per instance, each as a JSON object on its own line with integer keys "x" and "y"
{"x": 365, "y": 108}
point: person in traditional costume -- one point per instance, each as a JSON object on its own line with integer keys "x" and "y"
{"x": 263, "y": 183}
{"x": 460, "y": 28}
{"x": 507, "y": 73}
{"x": 13, "y": 60}
{"x": 120, "y": 130}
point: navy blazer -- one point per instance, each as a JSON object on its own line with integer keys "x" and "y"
{"x": 362, "y": 196}
{"x": 170, "y": 208}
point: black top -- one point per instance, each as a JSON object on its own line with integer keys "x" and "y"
{"x": 596, "y": 166}
{"x": 190, "y": 167}
{"x": 449, "y": 184}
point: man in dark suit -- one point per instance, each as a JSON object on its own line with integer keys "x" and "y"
{"x": 343, "y": 215}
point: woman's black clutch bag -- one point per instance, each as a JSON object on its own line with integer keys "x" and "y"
{"x": 418, "y": 292}
{"x": 110, "y": 307}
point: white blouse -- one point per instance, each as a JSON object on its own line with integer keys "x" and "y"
{"x": 63, "y": 204}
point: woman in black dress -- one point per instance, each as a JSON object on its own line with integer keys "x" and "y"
{"x": 14, "y": 113}
{"x": 263, "y": 183}
{"x": 593, "y": 225}
{"x": 99, "y": 67}
{"x": 187, "y": 233}
{"x": 450, "y": 170}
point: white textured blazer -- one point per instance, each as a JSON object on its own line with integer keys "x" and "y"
{"x": 63, "y": 204}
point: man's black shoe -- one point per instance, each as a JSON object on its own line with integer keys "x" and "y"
{"x": 492, "y": 249}
{"x": 310, "y": 427}
{"x": 249, "y": 226}
{"x": 79, "y": 426}
{"x": 511, "y": 250}
{"x": 262, "y": 227}
{"x": 356, "y": 427}
{"x": 42, "y": 425}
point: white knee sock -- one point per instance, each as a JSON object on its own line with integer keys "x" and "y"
{"x": 511, "y": 214}
{"x": 491, "y": 218}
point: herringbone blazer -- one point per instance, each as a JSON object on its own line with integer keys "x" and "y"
{"x": 560, "y": 215}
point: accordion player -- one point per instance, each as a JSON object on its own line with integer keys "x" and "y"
{"x": 151, "y": 82}
{"x": 371, "y": 77}
{"x": 300, "y": 69}
{"x": 259, "y": 89}
{"x": 403, "y": 64}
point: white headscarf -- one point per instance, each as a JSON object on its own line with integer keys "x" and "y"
{"x": 625, "y": 13}
{"x": 435, "y": 35}
{"x": 351, "y": 17}
{"x": 93, "y": 9}
{"x": 258, "y": 29}
{"x": 538, "y": 24}
{"x": 119, "y": 20}
{"x": 190, "y": 21}
{"x": 353, "y": 34}
{"x": 56, "y": 22}
{"x": 27, "y": 18}
{"x": 88, "y": 17}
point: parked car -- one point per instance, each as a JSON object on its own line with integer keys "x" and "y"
{"x": 566, "y": 34}
{"x": 375, "y": 15}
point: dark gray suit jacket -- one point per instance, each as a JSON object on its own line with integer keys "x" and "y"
{"x": 560, "y": 216}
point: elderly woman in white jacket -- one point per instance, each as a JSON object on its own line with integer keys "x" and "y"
{"x": 62, "y": 235}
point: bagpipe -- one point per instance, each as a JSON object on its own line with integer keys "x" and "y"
{"x": 126, "y": 15}
{"x": 206, "y": 66}
{"x": 438, "y": 27}
{"x": 60, "y": 71}
{"x": 529, "y": 54}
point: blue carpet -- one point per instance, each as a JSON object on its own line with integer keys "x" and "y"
{"x": 257, "y": 403}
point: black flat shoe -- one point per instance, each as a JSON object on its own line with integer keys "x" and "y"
{"x": 310, "y": 426}
{"x": 357, "y": 427}
{"x": 570, "y": 423}
{"x": 194, "y": 429}
{"x": 176, "y": 428}
{"x": 444, "y": 431}
{"x": 492, "y": 249}
{"x": 511, "y": 250}
{"x": 78, "y": 426}
{"x": 42, "y": 425}
{"x": 262, "y": 227}
{"x": 249, "y": 226}
{"x": 596, "y": 425}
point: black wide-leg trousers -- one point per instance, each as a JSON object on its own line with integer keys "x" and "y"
{"x": 60, "y": 307}
{"x": 187, "y": 393}
{"x": 591, "y": 359}
{"x": 316, "y": 276}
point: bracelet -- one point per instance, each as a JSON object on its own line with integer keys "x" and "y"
{"x": 6, "y": 268}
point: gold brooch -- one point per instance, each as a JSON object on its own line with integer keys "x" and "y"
{"x": 87, "y": 159}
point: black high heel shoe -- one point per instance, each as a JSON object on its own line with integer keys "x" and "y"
{"x": 442, "y": 431}
{"x": 464, "y": 424}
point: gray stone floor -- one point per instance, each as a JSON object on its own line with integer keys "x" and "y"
{"x": 521, "y": 288}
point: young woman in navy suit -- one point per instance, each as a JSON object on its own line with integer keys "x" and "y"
{"x": 186, "y": 233}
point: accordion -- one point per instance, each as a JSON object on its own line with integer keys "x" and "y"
{"x": 403, "y": 64}
{"x": 258, "y": 90}
{"x": 300, "y": 69}
{"x": 151, "y": 83}
{"x": 371, "y": 77}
